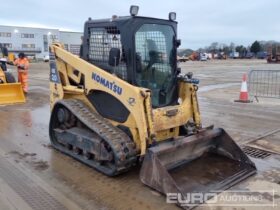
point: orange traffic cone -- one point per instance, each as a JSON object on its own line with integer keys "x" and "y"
{"x": 244, "y": 96}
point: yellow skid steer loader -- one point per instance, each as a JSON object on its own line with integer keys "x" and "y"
{"x": 10, "y": 91}
{"x": 125, "y": 102}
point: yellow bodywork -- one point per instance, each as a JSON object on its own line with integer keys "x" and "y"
{"x": 11, "y": 56}
{"x": 10, "y": 93}
{"x": 145, "y": 123}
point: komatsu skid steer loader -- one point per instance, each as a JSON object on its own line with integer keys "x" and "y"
{"x": 125, "y": 102}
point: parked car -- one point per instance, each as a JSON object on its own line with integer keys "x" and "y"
{"x": 182, "y": 59}
{"x": 209, "y": 56}
{"x": 249, "y": 55}
{"x": 203, "y": 57}
{"x": 262, "y": 55}
{"x": 46, "y": 58}
{"x": 234, "y": 55}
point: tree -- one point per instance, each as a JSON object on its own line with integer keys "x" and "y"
{"x": 232, "y": 47}
{"x": 226, "y": 49}
{"x": 241, "y": 49}
{"x": 255, "y": 47}
{"x": 201, "y": 50}
{"x": 214, "y": 47}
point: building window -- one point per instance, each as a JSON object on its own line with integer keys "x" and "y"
{"x": 74, "y": 48}
{"x": 8, "y": 45}
{"x": 27, "y": 35}
{"x": 28, "y": 46}
{"x": 53, "y": 37}
{"x": 46, "y": 43}
{"x": 66, "y": 47}
{"x": 5, "y": 34}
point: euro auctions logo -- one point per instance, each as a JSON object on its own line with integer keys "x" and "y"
{"x": 189, "y": 199}
{"x": 265, "y": 198}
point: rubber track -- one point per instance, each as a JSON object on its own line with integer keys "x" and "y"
{"x": 124, "y": 148}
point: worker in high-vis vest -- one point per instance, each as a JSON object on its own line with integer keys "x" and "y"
{"x": 22, "y": 64}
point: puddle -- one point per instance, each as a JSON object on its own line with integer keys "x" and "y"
{"x": 41, "y": 115}
{"x": 25, "y": 129}
{"x": 35, "y": 87}
{"x": 203, "y": 75}
{"x": 217, "y": 86}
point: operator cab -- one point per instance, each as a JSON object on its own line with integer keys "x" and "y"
{"x": 139, "y": 50}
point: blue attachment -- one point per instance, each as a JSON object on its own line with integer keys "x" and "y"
{"x": 193, "y": 81}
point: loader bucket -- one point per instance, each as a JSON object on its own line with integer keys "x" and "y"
{"x": 209, "y": 161}
{"x": 11, "y": 93}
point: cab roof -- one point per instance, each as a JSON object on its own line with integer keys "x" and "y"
{"x": 120, "y": 19}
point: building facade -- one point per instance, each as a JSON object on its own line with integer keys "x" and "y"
{"x": 35, "y": 41}
{"x": 72, "y": 41}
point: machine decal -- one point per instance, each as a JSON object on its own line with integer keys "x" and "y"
{"x": 53, "y": 70}
{"x": 131, "y": 101}
{"x": 110, "y": 85}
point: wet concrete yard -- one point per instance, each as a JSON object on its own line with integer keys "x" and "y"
{"x": 35, "y": 176}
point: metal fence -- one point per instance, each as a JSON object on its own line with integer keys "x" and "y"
{"x": 264, "y": 83}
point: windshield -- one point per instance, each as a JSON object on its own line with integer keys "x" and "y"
{"x": 155, "y": 61}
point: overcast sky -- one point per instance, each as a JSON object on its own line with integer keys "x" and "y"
{"x": 201, "y": 22}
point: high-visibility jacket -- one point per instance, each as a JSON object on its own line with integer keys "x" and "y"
{"x": 23, "y": 66}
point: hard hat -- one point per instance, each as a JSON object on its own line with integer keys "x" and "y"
{"x": 21, "y": 55}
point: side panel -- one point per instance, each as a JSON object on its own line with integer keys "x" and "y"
{"x": 170, "y": 117}
{"x": 116, "y": 111}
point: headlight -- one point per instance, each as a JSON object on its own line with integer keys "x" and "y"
{"x": 172, "y": 16}
{"x": 134, "y": 10}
